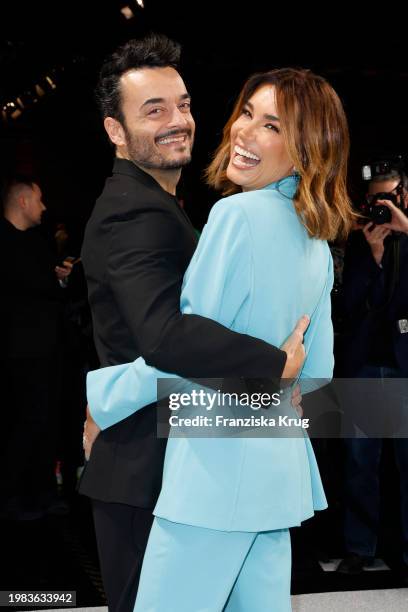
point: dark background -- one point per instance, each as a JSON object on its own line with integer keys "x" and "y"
{"x": 60, "y": 137}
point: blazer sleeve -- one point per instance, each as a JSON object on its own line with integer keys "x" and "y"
{"x": 216, "y": 285}
{"x": 143, "y": 274}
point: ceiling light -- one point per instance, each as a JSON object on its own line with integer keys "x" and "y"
{"x": 127, "y": 12}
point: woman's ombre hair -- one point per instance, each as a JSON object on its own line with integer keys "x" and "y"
{"x": 315, "y": 132}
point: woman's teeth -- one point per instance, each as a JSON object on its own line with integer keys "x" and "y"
{"x": 245, "y": 153}
{"x": 244, "y": 158}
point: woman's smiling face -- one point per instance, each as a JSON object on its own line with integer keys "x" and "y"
{"x": 258, "y": 155}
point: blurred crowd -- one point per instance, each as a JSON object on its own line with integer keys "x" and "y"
{"x": 47, "y": 349}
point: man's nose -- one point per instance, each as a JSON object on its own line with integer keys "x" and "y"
{"x": 179, "y": 118}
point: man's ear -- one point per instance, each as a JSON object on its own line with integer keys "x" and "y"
{"x": 22, "y": 202}
{"x": 115, "y": 131}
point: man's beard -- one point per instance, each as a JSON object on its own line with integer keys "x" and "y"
{"x": 143, "y": 153}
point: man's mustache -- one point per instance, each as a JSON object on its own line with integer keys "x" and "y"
{"x": 186, "y": 132}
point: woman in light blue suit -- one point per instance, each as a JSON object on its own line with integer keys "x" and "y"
{"x": 220, "y": 539}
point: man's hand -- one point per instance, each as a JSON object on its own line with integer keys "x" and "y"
{"x": 399, "y": 222}
{"x": 91, "y": 432}
{"x": 63, "y": 271}
{"x": 375, "y": 236}
{"x": 297, "y": 400}
{"x": 295, "y": 350}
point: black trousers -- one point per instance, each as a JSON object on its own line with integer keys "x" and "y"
{"x": 121, "y": 532}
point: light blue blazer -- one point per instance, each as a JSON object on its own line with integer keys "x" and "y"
{"x": 256, "y": 271}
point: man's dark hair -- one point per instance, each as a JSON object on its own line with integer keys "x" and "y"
{"x": 152, "y": 51}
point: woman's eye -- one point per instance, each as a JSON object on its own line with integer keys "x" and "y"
{"x": 271, "y": 126}
{"x": 246, "y": 112}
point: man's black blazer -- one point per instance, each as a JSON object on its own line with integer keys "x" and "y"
{"x": 138, "y": 244}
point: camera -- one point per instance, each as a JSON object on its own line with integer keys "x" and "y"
{"x": 379, "y": 213}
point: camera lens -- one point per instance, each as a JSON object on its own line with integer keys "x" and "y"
{"x": 380, "y": 214}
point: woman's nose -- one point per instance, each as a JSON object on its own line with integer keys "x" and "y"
{"x": 247, "y": 131}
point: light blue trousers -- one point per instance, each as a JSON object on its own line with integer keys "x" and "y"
{"x": 191, "y": 569}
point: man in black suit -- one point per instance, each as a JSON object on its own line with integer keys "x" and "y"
{"x": 374, "y": 345}
{"x": 137, "y": 246}
{"x": 31, "y": 326}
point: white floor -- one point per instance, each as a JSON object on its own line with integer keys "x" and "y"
{"x": 392, "y": 600}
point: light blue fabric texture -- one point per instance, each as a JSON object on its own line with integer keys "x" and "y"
{"x": 257, "y": 271}
{"x": 188, "y": 569}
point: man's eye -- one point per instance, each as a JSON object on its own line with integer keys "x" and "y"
{"x": 185, "y": 105}
{"x": 155, "y": 111}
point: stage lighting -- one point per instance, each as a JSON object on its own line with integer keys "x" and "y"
{"x": 39, "y": 90}
{"x": 10, "y": 110}
{"x": 51, "y": 82}
{"x": 127, "y": 12}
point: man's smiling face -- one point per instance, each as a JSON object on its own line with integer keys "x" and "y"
{"x": 158, "y": 125}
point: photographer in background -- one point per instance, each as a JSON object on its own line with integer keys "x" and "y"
{"x": 375, "y": 345}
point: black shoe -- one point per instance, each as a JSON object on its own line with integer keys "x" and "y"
{"x": 354, "y": 564}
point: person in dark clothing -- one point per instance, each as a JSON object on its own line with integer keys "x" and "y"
{"x": 375, "y": 345}
{"x": 30, "y": 321}
{"x": 138, "y": 244}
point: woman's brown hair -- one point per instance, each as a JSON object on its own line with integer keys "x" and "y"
{"x": 315, "y": 132}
